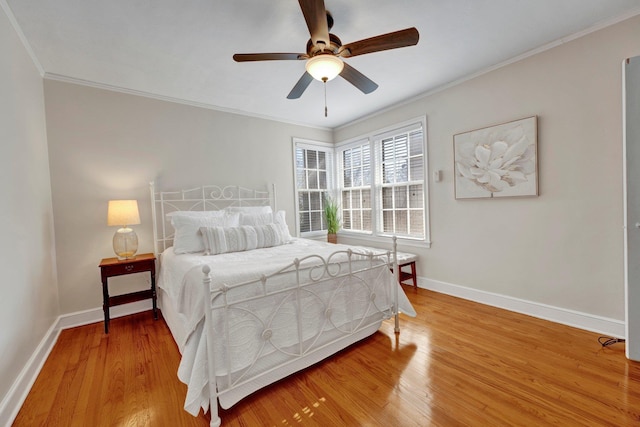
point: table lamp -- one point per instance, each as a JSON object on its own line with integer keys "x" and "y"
{"x": 124, "y": 213}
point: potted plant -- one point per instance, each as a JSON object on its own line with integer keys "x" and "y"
{"x": 332, "y": 218}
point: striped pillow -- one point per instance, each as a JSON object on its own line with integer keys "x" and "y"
{"x": 220, "y": 240}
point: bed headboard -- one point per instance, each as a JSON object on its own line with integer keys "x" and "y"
{"x": 205, "y": 198}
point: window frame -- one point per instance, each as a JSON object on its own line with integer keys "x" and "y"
{"x": 340, "y": 187}
{"x": 374, "y": 138}
{"x": 329, "y": 149}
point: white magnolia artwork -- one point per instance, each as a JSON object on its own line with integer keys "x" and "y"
{"x": 497, "y": 161}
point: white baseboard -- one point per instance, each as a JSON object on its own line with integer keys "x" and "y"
{"x": 18, "y": 392}
{"x": 16, "y": 396}
{"x": 589, "y": 322}
{"x": 95, "y": 315}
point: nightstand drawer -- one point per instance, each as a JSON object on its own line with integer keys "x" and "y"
{"x": 129, "y": 267}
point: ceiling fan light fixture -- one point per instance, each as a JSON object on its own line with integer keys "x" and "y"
{"x": 324, "y": 67}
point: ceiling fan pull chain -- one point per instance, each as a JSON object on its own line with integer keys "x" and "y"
{"x": 324, "y": 83}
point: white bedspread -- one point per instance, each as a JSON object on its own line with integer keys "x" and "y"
{"x": 181, "y": 278}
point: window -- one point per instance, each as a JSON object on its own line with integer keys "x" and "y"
{"x": 313, "y": 179}
{"x": 378, "y": 179}
{"x": 355, "y": 164}
{"x": 381, "y": 181}
{"x": 401, "y": 167}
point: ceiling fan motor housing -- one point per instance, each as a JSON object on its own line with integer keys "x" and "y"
{"x": 334, "y": 46}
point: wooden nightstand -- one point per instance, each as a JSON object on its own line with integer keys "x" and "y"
{"x": 406, "y": 275}
{"x": 110, "y": 267}
{"x": 407, "y": 260}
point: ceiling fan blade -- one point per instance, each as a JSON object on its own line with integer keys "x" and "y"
{"x": 359, "y": 80}
{"x": 316, "y": 16}
{"x": 244, "y": 57}
{"x": 402, "y": 38}
{"x": 301, "y": 86}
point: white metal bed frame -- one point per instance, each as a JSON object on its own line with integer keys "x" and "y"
{"x": 205, "y": 198}
{"x": 343, "y": 267}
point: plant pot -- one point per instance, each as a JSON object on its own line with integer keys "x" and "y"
{"x": 332, "y": 238}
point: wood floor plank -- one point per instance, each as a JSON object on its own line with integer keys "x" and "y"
{"x": 458, "y": 363}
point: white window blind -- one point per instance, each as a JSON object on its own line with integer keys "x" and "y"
{"x": 313, "y": 178}
{"x": 402, "y": 172}
{"x": 357, "y": 178}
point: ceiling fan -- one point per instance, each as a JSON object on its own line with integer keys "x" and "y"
{"x": 325, "y": 51}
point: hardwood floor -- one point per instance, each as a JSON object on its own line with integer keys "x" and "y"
{"x": 458, "y": 363}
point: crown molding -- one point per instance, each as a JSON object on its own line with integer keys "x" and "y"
{"x": 120, "y": 89}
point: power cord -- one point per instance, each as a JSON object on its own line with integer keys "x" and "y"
{"x": 607, "y": 341}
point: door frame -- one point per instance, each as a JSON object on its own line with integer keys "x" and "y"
{"x": 631, "y": 293}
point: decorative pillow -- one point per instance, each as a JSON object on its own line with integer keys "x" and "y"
{"x": 249, "y": 209}
{"x": 187, "y": 237}
{"x": 220, "y": 240}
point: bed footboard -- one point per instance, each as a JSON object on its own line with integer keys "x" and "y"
{"x": 263, "y": 329}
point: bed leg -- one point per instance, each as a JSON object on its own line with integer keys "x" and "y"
{"x": 208, "y": 331}
{"x": 396, "y": 278}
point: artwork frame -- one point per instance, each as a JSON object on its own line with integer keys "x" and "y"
{"x": 497, "y": 161}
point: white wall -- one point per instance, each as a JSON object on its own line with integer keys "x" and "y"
{"x": 28, "y": 289}
{"x": 565, "y": 247}
{"x": 106, "y": 145}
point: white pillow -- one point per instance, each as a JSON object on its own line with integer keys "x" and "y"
{"x": 249, "y": 209}
{"x": 279, "y": 219}
{"x": 256, "y": 218}
{"x": 220, "y": 240}
{"x": 268, "y": 218}
{"x": 196, "y": 213}
{"x": 187, "y": 237}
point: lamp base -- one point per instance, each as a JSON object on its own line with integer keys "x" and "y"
{"x": 125, "y": 243}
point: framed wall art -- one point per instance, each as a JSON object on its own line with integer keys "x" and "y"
{"x": 497, "y": 161}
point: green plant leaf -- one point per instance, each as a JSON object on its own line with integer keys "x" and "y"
{"x": 331, "y": 215}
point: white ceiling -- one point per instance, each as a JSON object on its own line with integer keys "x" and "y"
{"x": 183, "y": 50}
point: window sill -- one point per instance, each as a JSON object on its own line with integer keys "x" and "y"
{"x": 314, "y": 235}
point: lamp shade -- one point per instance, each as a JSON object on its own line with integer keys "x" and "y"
{"x": 324, "y": 67}
{"x": 123, "y": 212}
